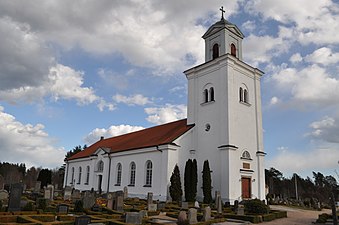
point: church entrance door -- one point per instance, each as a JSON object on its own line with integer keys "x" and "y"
{"x": 246, "y": 187}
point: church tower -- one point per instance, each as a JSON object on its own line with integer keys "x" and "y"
{"x": 224, "y": 103}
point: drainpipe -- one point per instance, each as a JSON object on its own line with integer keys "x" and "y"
{"x": 66, "y": 172}
{"x": 109, "y": 171}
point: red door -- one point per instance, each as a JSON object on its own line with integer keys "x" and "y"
{"x": 246, "y": 187}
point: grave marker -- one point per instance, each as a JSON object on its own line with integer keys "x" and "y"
{"x": 192, "y": 216}
{"x": 149, "y": 198}
{"x": 133, "y": 218}
{"x": 82, "y": 220}
{"x": 15, "y": 197}
{"x": 206, "y": 216}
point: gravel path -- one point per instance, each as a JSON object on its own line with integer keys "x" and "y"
{"x": 296, "y": 216}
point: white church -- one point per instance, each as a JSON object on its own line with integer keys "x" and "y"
{"x": 223, "y": 126}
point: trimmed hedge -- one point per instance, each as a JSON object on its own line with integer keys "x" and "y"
{"x": 250, "y": 218}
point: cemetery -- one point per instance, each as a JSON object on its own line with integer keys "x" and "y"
{"x": 70, "y": 206}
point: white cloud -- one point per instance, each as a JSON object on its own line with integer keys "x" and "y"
{"x": 67, "y": 83}
{"x": 296, "y": 58}
{"x": 249, "y": 25}
{"x": 112, "y": 131}
{"x": 136, "y": 99}
{"x": 323, "y": 56}
{"x": 303, "y": 162}
{"x": 309, "y": 86}
{"x": 166, "y": 114}
{"x": 27, "y": 143}
{"x": 326, "y": 130}
{"x": 312, "y": 22}
{"x": 274, "y": 100}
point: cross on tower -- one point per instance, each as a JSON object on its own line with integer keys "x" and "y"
{"x": 222, "y": 12}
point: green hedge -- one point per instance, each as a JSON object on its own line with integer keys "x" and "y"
{"x": 250, "y": 218}
{"x": 268, "y": 217}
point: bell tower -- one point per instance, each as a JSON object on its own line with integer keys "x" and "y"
{"x": 224, "y": 103}
{"x": 222, "y": 38}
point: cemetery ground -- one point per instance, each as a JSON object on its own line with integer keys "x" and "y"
{"x": 71, "y": 206}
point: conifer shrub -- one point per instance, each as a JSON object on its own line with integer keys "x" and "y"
{"x": 175, "y": 188}
{"x": 256, "y": 207}
{"x": 207, "y": 183}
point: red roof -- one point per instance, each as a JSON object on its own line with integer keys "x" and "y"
{"x": 153, "y": 136}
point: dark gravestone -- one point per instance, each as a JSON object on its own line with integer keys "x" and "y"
{"x": 88, "y": 199}
{"x": 82, "y": 220}
{"x": 120, "y": 203}
{"x": 15, "y": 197}
{"x": 133, "y": 218}
{"x": 62, "y": 209}
{"x": 161, "y": 205}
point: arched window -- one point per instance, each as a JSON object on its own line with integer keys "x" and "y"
{"x": 215, "y": 51}
{"x": 72, "y": 180}
{"x": 148, "y": 182}
{"x": 87, "y": 174}
{"x": 246, "y": 155}
{"x": 100, "y": 166}
{"x": 233, "y": 50}
{"x": 241, "y": 94}
{"x": 205, "y": 95}
{"x": 132, "y": 174}
{"x": 119, "y": 170}
{"x": 79, "y": 178}
{"x": 245, "y": 96}
{"x": 211, "y": 94}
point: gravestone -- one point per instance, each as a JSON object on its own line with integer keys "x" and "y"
{"x": 152, "y": 207}
{"x": 67, "y": 193}
{"x": 236, "y": 204}
{"x": 184, "y": 205}
{"x": 88, "y": 199}
{"x": 217, "y": 193}
{"x": 143, "y": 213}
{"x": 62, "y": 208}
{"x": 82, "y": 220}
{"x": 15, "y": 197}
{"x": 49, "y": 192}
{"x": 76, "y": 195}
{"x": 110, "y": 200}
{"x": 241, "y": 210}
{"x": 206, "y": 215}
{"x": 133, "y": 218}
{"x": 227, "y": 204}
{"x": 219, "y": 204}
{"x": 3, "y": 195}
{"x": 192, "y": 216}
{"x": 149, "y": 198}
{"x": 125, "y": 192}
{"x": 196, "y": 205}
{"x": 119, "y": 203}
{"x": 182, "y": 217}
{"x": 37, "y": 187}
{"x": 161, "y": 205}
{"x": 2, "y": 182}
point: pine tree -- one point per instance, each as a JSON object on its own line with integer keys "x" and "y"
{"x": 175, "y": 188}
{"x": 187, "y": 180}
{"x": 206, "y": 183}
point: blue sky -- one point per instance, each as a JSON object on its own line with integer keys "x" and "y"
{"x": 74, "y": 71}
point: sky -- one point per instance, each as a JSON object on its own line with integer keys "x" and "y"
{"x": 73, "y": 71}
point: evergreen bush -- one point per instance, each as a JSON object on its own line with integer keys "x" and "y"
{"x": 207, "y": 183}
{"x": 187, "y": 181}
{"x": 175, "y": 188}
{"x": 256, "y": 207}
